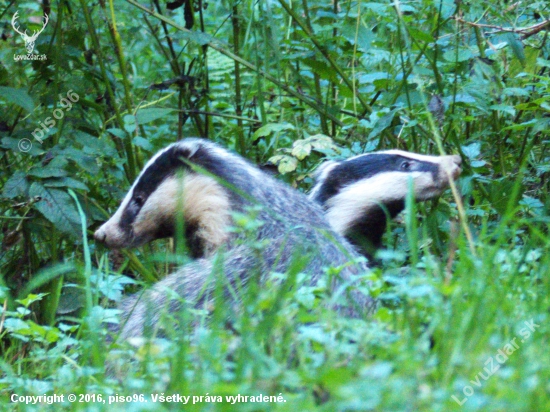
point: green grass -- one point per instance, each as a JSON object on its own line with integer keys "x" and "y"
{"x": 436, "y": 335}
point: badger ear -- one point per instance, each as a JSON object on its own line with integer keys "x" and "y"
{"x": 325, "y": 168}
{"x": 186, "y": 149}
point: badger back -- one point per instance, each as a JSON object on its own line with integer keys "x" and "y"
{"x": 358, "y": 194}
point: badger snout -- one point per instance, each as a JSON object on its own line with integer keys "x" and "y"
{"x": 111, "y": 236}
{"x": 451, "y": 166}
{"x": 100, "y": 235}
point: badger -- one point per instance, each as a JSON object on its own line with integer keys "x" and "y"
{"x": 359, "y": 194}
{"x": 207, "y": 186}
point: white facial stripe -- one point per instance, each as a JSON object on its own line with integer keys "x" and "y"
{"x": 409, "y": 155}
{"x": 320, "y": 176}
{"x": 415, "y": 156}
{"x": 355, "y": 200}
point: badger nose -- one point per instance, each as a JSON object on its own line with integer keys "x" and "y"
{"x": 457, "y": 161}
{"x": 100, "y": 235}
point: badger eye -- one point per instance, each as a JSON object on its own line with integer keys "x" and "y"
{"x": 405, "y": 165}
{"x": 138, "y": 200}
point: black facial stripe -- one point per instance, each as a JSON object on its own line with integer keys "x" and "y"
{"x": 228, "y": 169}
{"x": 164, "y": 166}
{"x": 366, "y": 232}
{"x": 195, "y": 243}
{"x": 364, "y": 167}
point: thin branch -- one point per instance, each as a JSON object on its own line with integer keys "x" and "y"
{"x": 525, "y": 31}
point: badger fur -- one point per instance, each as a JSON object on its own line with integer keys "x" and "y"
{"x": 359, "y": 193}
{"x": 207, "y": 185}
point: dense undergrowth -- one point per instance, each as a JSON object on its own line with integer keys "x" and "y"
{"x": 463, "y": 326}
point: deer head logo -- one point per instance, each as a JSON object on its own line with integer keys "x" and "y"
{"x": 29, "y": 40}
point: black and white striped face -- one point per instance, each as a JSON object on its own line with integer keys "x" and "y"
{"x": 351, "y": 191}
{"x": 165, "y": 186}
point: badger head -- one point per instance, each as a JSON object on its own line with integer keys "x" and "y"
{"x": 168, "y": 186}
{"x": 358, "y": 193}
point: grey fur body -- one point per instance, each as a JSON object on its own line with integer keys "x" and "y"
{"x": 210, "y": 184}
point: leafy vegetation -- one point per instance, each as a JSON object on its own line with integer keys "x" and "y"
{"x": 287, "y": 83}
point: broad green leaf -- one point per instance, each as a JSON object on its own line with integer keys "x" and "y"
{"x": 531, "y": 202}
{"x": 372, "y": 77}
{"x": 19, "y": 97}
{"x": 66, "y": 182}
{"x": 301, "y": 149}
{"x": 88, "y": 163}
{"x": 381, "y": 124}
{"x": 362, "y": 34}
{"x": 504, "y": 108}
{"x": 17, "y": 185}
{"x": 321, "y": 68}
{"x": 152, "y": 114}
{"x": 284, "y": 163}
{"x": 462, "y": 55}
{"x": 47, "y": 171}
{"x": 321, "y": 142}
{"x": 420, "y": 35}
{"x": 271, "y": 128}
{"x": 57, "y": 207}
{"x": 472, "y": 150}
{"x": 121, "y": 134}
{"x": 143, "y": 143}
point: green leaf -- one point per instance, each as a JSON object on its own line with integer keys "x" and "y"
{"x": 462, "y": 55}
{"x": 381, "y": 124}
{"x": 149, "y": 115}
{"x": 420, "y": 35}
{"x": 504, "y": 108}
{"x": 301, "y": 149}
{"x": 87, "y": 163}
{"x": 121, "y": 134}
{"x": 321, "y": 142}
{"x": 517, "y": 48}
{"x": 285, "y": 163}
{"x": 43, "y": 172}
{"x": 57, "y": 207}
{"x": 143, "y": 143}
{"x": 321, "y": 68}
{"x": 31, "y": 298}
{"x": 19, "y": 97}
{"x": 531, "y": 202}
{"x": 17, "y": 185}
{"x": 271, "y": 128}
{"x": 66, "y": 182}
{"x": 472, "y": 150}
